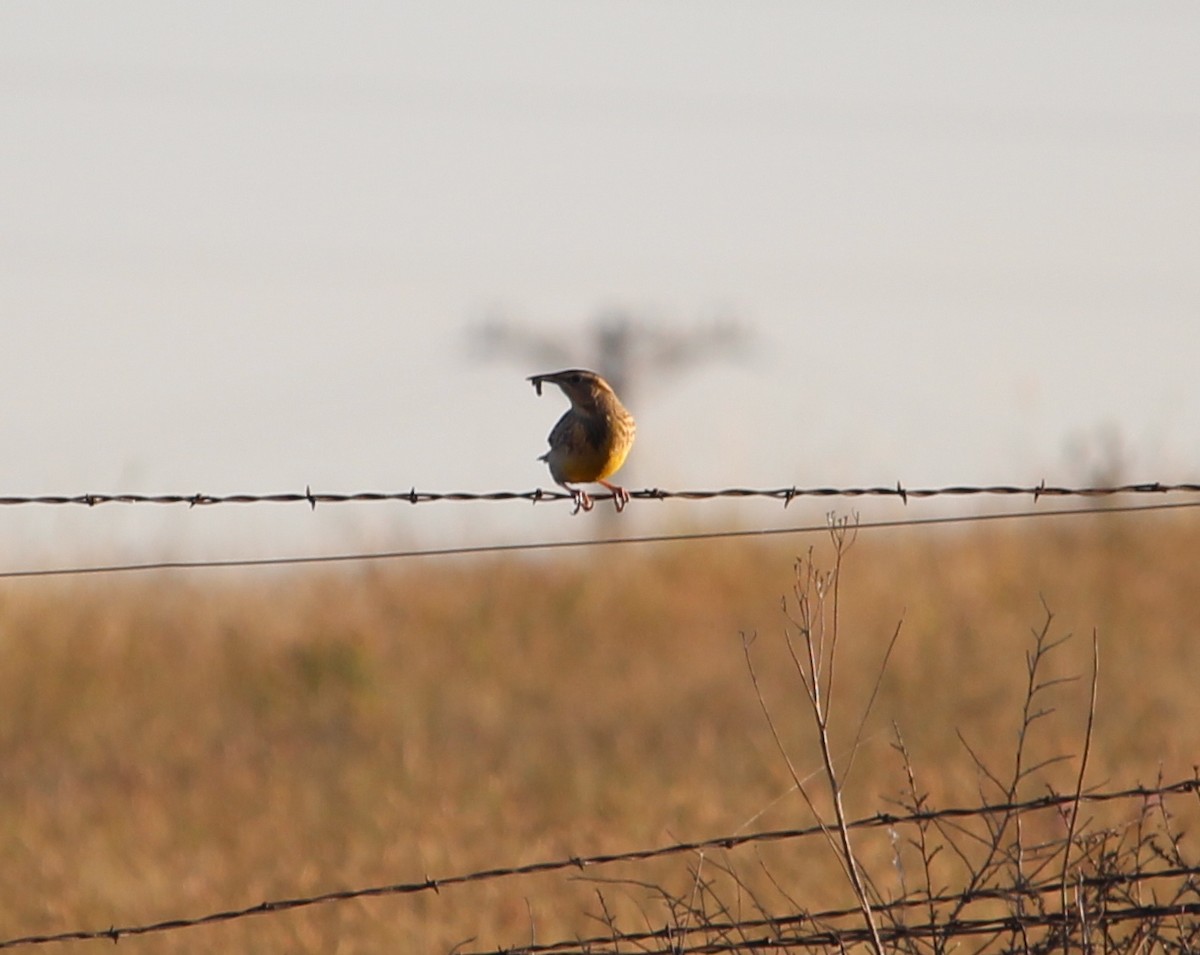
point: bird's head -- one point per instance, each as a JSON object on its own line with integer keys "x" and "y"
{"x": 585, "y": 389}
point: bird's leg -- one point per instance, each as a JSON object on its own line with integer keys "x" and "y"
{"x": 620, "y": 496}
{"x": 583, "y": 501}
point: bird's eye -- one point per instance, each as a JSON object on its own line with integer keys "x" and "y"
{"x": 575, "y": 379}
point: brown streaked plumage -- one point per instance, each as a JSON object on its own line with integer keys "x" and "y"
{"x": 591, "y": 441}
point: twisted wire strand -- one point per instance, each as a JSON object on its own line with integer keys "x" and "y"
{"x": 784, "y": 494}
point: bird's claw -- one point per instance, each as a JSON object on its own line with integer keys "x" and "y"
{"x": 620, "y": 496}
{"x": 583, "y": 500}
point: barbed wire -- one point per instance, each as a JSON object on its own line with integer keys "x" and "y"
{"x": 784, "y": 494}
{"x": 481, "y": 549}
{"x": 594, "y": 945}
{"x": 840, "y": 938}
{"x": 580, "y": 863}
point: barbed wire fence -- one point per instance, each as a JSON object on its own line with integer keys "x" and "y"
{"x": 1114, "y": 888}
{"x": 1093, "y": 494}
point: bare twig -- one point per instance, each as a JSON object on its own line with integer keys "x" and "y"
{"x": 1073, "y": 812}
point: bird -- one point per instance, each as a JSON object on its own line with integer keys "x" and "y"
{"x": 591, "y": 441}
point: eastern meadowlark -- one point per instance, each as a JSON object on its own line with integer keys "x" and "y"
{"x": 591, "y": 441}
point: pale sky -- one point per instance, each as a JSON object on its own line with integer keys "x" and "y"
{"x": 242, "y": 247}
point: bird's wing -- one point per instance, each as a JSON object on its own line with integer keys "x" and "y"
{"x": 568, "y": 432}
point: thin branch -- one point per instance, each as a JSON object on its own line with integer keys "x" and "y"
{"x": 1073, "y": 813}
{"x": 862, "y": 723}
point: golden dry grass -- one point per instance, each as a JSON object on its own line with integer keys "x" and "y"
{"x": 175, "y": 745}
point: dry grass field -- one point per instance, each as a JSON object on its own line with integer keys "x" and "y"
{"x": 177, "y": 744}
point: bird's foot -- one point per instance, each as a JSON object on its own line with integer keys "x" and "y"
{"x": 583, "y": 500}
{"x": 620, "y": 496}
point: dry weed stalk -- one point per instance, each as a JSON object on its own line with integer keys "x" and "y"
{"x": 816, "y": 624}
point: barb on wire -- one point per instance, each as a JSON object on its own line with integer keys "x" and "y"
{"x": 784, "y": 494}
{"x": 877, "y": 820}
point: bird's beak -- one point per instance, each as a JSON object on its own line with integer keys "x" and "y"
{"x": 538, "y": 380}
